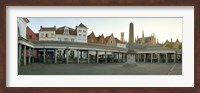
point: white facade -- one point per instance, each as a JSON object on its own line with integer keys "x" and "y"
{"x": 22, "y": 24}
{"x": 47, "y": 35}
{"x": 62, "y": 37}
{"x": 82, "y": 34}
{"x": 121, "y": 45}
{"x": 79, "y": 34}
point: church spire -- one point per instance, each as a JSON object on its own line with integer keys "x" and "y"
{"x": 142, "y": 37}
{"x": 142, "y": 33}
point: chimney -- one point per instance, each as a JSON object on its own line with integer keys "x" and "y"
{"x": 54, "y": 26}
{"x": 157, "y": 41}
{"x": 40, "y": 27}
{"x": 122, "y": 36}
{"x": 171, "y": 40}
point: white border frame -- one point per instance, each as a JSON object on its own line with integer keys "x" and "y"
{"x": 184, "y": 80}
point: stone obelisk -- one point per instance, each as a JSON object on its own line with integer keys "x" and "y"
{"x": 131, "y": 39}
{"x": 131, "y": 52}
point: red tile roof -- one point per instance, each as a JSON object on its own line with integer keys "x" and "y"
{"x": 47, "y": 29}
{"x": 118, "y": 41}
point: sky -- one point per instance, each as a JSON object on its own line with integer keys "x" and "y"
{"x": 164, "y": 28}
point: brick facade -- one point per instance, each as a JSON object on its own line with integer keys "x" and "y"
{"x": 30, "y": 35}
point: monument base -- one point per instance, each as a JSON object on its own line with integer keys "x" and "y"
{"x": 130, "y": 61}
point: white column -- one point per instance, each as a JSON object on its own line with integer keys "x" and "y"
{"x": 44, "y": 55}
{"x": 105, "y": 56}
{"x": 78, "y": 56}
{"x": 174, "y": 57}
{"x": 151, "y": 57}
{"x": 166, "y": 59}
{"x": 67, "y": 56}
{"x": 24, "y": 55}
{"x": 19, "y": 55}
{"x": 29, "y": 55}
{"x": 88, "y": 55}
{"x": 158, "y": 57}
{"x": 55, "y": 55}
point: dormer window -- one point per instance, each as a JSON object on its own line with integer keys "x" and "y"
{"x": 66, "y": 31}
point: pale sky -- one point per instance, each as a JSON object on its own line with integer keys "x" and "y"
{"x": 164, "y": 28}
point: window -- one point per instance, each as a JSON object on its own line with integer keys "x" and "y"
{"x": 79, "y": 34}
{"x": 66, "y": 31}
{"x": 79, "y": 30}
{"x": 92, "y": 40}
{"x": 72, "y": 39}
{"x": 30, "y": 37}
{"x": 111, "y": 42}
{"x": 52, "y": 35}
{"x": 41, "y": 35}
{"x": 46, "y": 35}
{"x": 66, "y": 39}
{"x": 84, "y": 31}
{"x": 84, "y": 35}
{"x": 59, "y": 39}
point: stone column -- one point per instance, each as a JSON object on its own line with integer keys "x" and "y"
{"x": 166, "y": 58}
{"x": 88, "y": 55}
{"x": 105, "y": 56}
{"x": 144, "y": 57}
{"x": 81, "y": 54}
{"x": 118, "y": 57}
{"x": 151, "y": 57}
{"x": 174, "y": 57}
{"x": 55, "y": 55}
{"x": 67, "y": 56}
{"x": 33, "y": 55}
{"x": 29, "y": 55}
{"x": 97, "y": 57}
{"x": 113, "y": 57}
{"x": 78, "y": 56}
{"x": 19, "y": 55}
{"x": 44, "y": 55}
{"x": 24, "y": 55}
{"x": 123, "y": 57}
{"x": 158, "y": 57}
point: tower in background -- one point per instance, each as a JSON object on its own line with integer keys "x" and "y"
{"x": 122, "y": 36}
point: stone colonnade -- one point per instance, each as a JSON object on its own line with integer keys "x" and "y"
{"x": 99, "y": 57}
{"x": 25, "y": 55}
{"x": 156, "y": 57}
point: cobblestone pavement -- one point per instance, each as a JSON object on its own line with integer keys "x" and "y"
{"x": 101, "y": 69}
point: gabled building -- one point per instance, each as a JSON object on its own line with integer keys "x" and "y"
{"x": 92, "y": 38}
{"x": 65, "y": 33}
{"x": 101, "y": 39}
{"x": 173, "y": 45}
{"x": 120, "y": 43}
{"x": 109, "y": 40}
{"x": 30, "y": 35}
